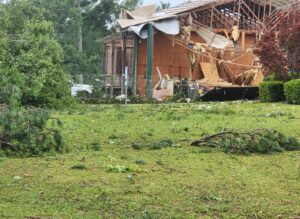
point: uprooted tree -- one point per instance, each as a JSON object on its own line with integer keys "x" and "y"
{"x": 279, "y": 50}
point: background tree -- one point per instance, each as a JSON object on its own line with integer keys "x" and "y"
{"x": 289, "y": 40}
{"x": 279, "y": 52}
{"x": 272, "y": 57}
{"x": 90, "y": 20}
{"x": 163, "y": 5}
{"x": 32, "y": 58}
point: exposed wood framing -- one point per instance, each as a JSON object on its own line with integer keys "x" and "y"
{"x": 247, "y": 14}
{"x": 243, "y": 40}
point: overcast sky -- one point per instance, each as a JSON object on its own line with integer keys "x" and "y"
{"x": 173, "y": 2}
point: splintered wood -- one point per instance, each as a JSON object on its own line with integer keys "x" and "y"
{"x": 211, "y": 76}
{"x": 210, "y": 71}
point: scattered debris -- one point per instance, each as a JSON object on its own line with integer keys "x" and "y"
{"x": 130, "y": 177}
{"x": 17, "y": 177}
{"x": 79, "y": 166}
{"x": 140, "y": 162}
{"x": 28, "y": 175}
{"x": 118, "y": 169}
{"x": 164, "y": 143}
{"x": 96, "y": 146}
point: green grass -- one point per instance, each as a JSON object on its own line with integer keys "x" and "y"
{"x": 103, "y": 176}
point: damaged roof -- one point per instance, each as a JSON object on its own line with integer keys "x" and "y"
{"x": 148, "y": 13}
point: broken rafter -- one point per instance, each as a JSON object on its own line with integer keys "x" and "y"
{"x": 221, "y": 17}
{"x": 253, "y": 14}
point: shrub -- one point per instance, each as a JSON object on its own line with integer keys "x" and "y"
{"x": 271, "y": 91}
{"x": 83, "y": 96}
{"x": 292, "y": 91}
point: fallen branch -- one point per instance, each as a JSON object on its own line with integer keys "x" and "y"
{"x": 257, "y": 141}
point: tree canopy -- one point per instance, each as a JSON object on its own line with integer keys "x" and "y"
{"x": 79, "y": 24}
{"x": 279, "y": 50}
{"x": 31, "y": 57}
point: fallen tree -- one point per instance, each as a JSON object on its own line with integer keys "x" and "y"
{"x": 263, "y": 141}
{"x": 25, "y": 131}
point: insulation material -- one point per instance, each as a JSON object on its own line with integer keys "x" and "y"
{"x": 186, "y": 32}
{"x": 168, "y": 26}
{"x": 235, "y": 34}
{"x": 216, "y": 41}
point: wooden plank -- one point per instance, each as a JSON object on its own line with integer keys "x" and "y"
{"x": 210, "y": 71}
{"x": 239, "y": 12}
{"x": 243, "y": 40}
{"x": 211, "y": 17}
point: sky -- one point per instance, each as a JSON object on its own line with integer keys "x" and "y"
{"x": 173, "y": 2}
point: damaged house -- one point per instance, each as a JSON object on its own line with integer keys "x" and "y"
{"x": 200, "y": 48}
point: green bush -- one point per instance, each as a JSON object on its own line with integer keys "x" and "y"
{"x": 292, "y": 91}
{"x": 271, "y": 91}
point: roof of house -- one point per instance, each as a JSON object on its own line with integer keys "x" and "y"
{"x": 148, "y": 13}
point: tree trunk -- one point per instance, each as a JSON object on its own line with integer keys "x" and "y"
{"x": 80, "y": 47}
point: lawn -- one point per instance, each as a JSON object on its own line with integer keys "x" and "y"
{"x": 103, "y": 176}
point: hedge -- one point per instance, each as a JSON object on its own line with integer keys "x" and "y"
{"x": 292, "y": 91}
{"x": 271, "y": 91}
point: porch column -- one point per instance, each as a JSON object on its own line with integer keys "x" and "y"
{"x": 149, "y": 61}
{"x": 123, "y": 58}
{"x": 134, "y": 65}
{"x": 112, "y": 60}
{"x": 104, "y": 69}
